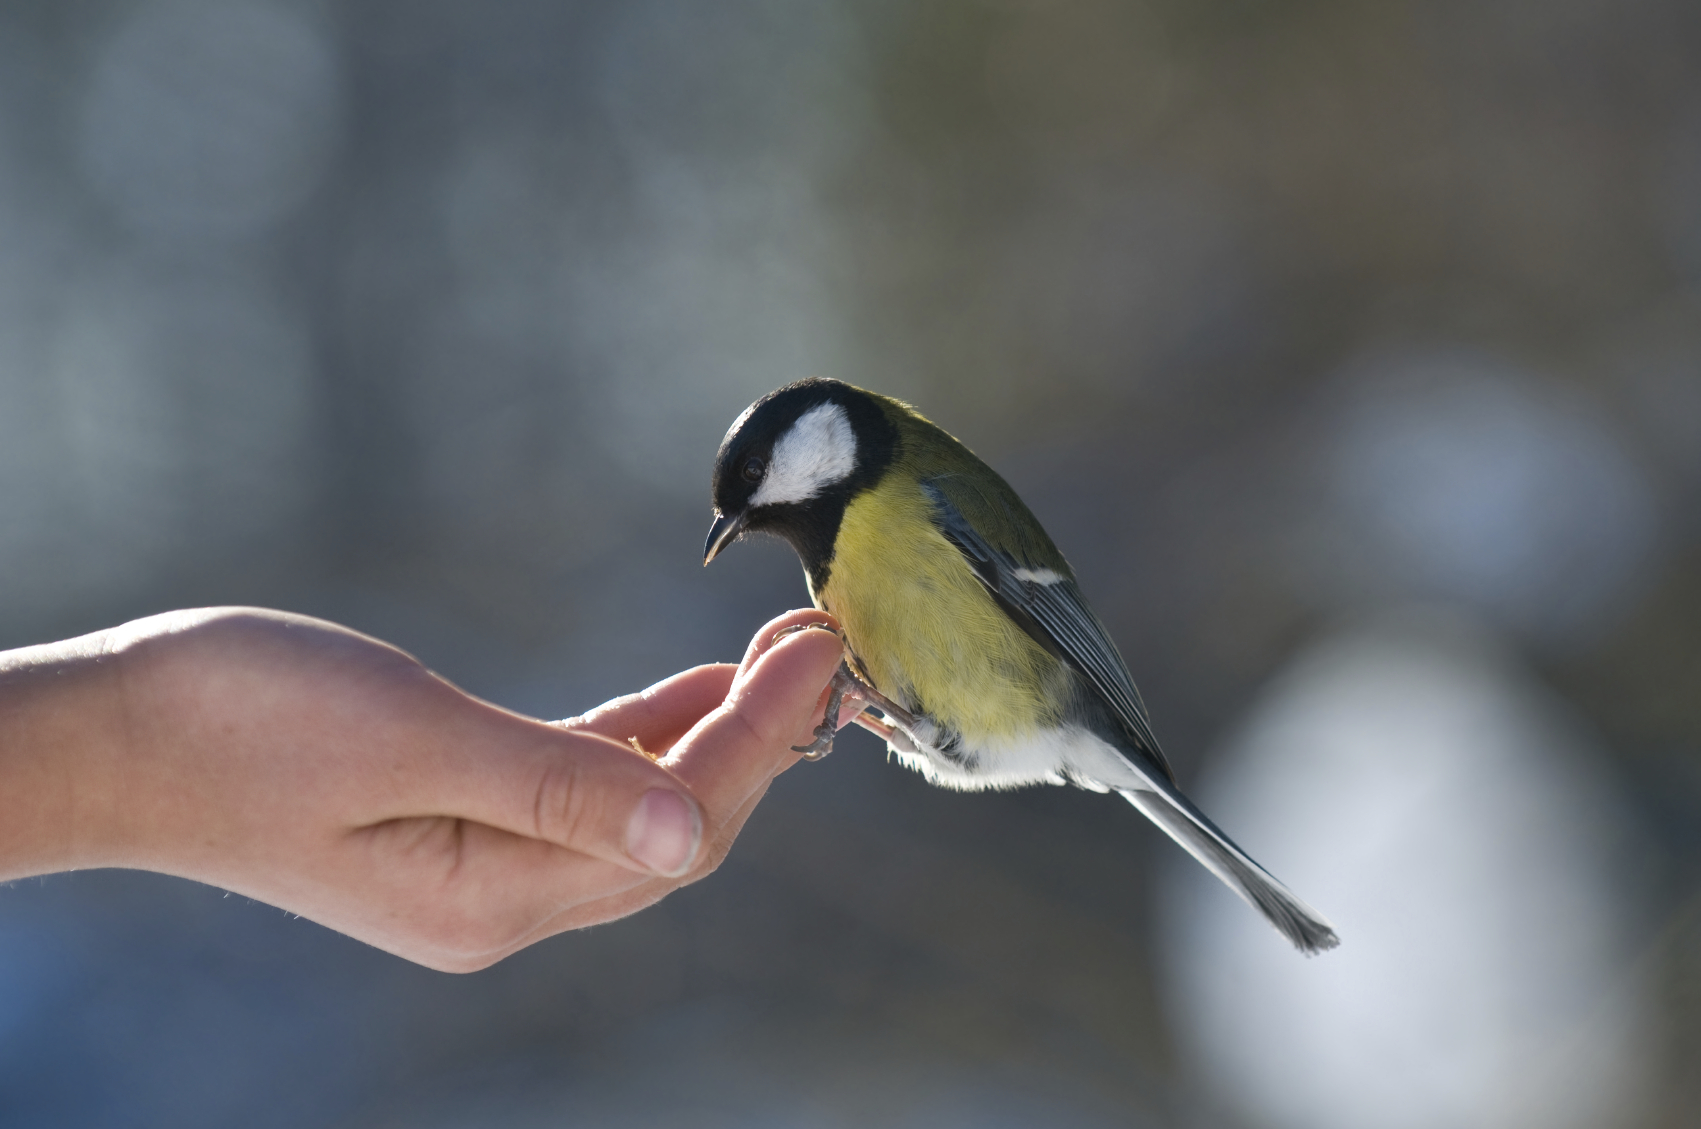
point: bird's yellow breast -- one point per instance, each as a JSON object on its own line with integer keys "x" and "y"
{"x": 925, "y": 630}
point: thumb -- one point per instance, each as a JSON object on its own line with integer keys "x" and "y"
{"x": 572, "y": 788}
{"x": 593, "y": 802}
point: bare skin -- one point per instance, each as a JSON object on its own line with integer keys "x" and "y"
{"x": 327, "y": 773}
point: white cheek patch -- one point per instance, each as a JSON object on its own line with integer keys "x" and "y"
{"x": 817, "y": 451}
{"x": 1037, "y": 576}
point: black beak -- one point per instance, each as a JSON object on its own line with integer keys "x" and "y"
{"x": 721, "y": 534}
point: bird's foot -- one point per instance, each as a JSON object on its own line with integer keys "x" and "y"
{"x": 829, "y": 727}
{"x": 847, "y": 683}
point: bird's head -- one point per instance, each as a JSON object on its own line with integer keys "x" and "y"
{"x": 791, "y": 462}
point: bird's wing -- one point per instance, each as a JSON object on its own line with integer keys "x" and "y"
{"x": 1046, "y": 603}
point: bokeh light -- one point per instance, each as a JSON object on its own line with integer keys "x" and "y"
{"x": 1485, "y": 980}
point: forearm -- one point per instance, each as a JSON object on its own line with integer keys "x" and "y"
{"x": 61, "y": 739}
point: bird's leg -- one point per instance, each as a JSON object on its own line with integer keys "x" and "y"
{"x": 847, "y": 680}
{"x": 894, "y": 730}
{"x": 884, "y": 704}
{"x": 890, "y": 734}
{"x": 823, "y": 744}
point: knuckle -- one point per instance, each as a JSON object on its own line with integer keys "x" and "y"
{"x": 566, "y": 808}
{"x": 759, "y": 728}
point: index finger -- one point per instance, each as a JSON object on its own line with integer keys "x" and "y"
{"x": 662, "y": 714}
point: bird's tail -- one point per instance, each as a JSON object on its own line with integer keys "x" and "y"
{"x": 1309, "y": 930}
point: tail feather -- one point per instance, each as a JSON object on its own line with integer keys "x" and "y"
{"x": 1309, "y": 930}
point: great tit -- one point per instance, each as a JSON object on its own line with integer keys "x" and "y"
{"x": 962, "y": 622}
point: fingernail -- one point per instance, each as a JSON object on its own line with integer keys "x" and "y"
{"x": 663, "y": 832}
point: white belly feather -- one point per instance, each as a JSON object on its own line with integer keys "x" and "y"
{"x": 1063, "y": 755}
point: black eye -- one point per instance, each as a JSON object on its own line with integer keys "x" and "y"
{"x": 754, "y": 467}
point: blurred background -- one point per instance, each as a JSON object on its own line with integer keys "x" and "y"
{"x": 1351, "y": 352}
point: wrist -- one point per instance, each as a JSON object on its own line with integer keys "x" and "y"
{"x": 61, "y": 743}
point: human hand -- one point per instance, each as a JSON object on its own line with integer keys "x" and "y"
{"x": 327, "y": 773}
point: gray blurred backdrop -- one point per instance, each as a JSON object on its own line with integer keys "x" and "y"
{"x": 1352, "y": 353}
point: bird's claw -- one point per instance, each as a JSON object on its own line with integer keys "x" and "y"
{"x": 829, "y": 727}
{"x": 794, "y": 628}
{"x": 818, "y": 748}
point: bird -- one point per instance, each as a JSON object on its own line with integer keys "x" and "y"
{"x": 962, "y": 622}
